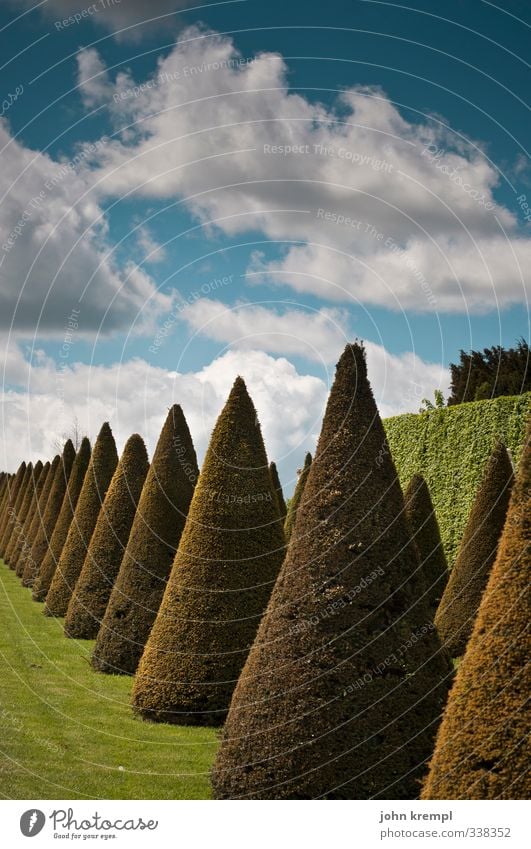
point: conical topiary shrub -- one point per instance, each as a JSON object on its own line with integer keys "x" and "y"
{"x": 33, "y": 520}
{"x": 424, "y": 530}
{"x": 297, "y": 495}
{"x": 97, "y": 479}
{"x": 482, "y": 746}
{"x": 225, "y": 567}
{"x": 38, "y": 517}
{"x": 461, "y": 599}
{"x": 4, "y": 486}
{"x": 106, "y": 550}
{"x": 19, "y": 516}
{"x": 44, "y": 534}
{"x": 154, "y": 537}
{"x": 4, "y": 489}
{"x": 26, "y": 514}
{"x": 43, "y": 580}
{"x": 328, "y": 702}
{"x": 277, "y": 486}
{"x": 11, "y": 500}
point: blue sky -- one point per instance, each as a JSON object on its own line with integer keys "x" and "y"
{"x": 243, "y": 188}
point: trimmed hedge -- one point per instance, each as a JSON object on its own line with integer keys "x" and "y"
{"x": 101, "y": 468}
{"x": 64, "y": 520}
{"x": 425, "y": 532}
{"x": 38, "y": 519}
{"x": 30, "y": 570}
{"x": 27, "y": 513}
{"x": 21, "y": 510}
{"x": 342, "y": 691}
{"x": 277, "y": 486}
{"x": 450, "y": 448}
{"x": 296, "y": 499}
{"x": 53, "y": 506}
{"x": 33, "y": 520}
{"x": 228, "y": 559}
{"x": 482, "y": 747}
{"x": 106, "y": 550}
{"x": 146, "y": 565}
{"x": 11, "y": 499}
{"x": 462, "y": 597}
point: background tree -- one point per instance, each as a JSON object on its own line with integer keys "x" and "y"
{"x": 468, "y": 578}
{"x": 490, "y": 373}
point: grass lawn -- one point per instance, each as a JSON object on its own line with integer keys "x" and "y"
{"x": 68, "y": 732}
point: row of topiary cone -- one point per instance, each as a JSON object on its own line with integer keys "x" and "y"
{"x": 342, "y": 690}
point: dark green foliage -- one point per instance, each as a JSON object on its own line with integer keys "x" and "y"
{"x": 42, "y": 540}
{"x": 7, "y": 518}
{"x": 490, "y": 373}
{"x": 297, "y": 495}
{"x": 344, "y": 685}
{"x": 482, "y": 748}
{"x": 64, "y": 520}
{"x": 424, "y": 530}
{"x": 6, "y": 497}
{"x": 34, "y": 518}
{"x": 277, "y": 486}
{"x": 19, "y": 516}
{"x": 224, "y": 570}
{"x": 154, "y": 537}
{"x": 102, "y": 563}
{"x": 4, "y": 488}
{"x": 450, "y": 449}
{"x": 29, "y": 568}
{"x": 97, "y": 479}
{"x": 26, "y": 513}
{"x": 468, "y": 579}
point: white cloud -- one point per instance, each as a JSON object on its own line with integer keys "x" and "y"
{"x": 41, "y": 400}
{"x": 92, "y": 77}
{"x": 318, "y": 335}
{"x": 54, "y": 251}
{"x": 375, "y": 199}
{"x": 129, "y": 20}
{"x": 134, "y": 396}
{"x": 151, "y": 250}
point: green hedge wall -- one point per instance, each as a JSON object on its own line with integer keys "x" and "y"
{"x": 450, "y": 448}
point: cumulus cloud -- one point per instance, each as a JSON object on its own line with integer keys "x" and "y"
{"x": 386, "y": 209}
{"x": 41, "y": 399}
{"x": 92, "y": 79}
{"x": 129, "y": 20}
{"x": 400, "y": 381}
{"x": 318, "y": 335}
{"x": 55, "y": 255}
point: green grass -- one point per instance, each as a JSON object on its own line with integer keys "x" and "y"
{"x": 68, "y": 732}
